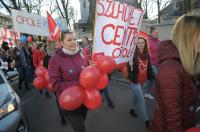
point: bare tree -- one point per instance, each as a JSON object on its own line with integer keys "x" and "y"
{"x": 59, "y": 10}
{"x": 72, "y": 14}
{"x": 11, "y": 4}
{"x": 147, "y": 6}
{"x": 161, "y": 6}
{"x": 29, "y": 5}
{"x": 64, "y": 8}
{"x": 32, "y": 6}
{"x": 53, "y": 7}
{"x": 38, "y": 6}
{"x": 91, "y": 18}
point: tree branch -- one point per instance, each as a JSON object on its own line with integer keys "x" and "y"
{"x": 14, "y": 4}
{"x": 59, "y": 9}
{"x": 6, "y": 6}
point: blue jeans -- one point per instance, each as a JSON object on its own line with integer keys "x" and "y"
{"x": 148, "y": 85}
{"x": 106, "y": 95}
{"x": 24, "y": 76}
{"x": 138, "y": 99}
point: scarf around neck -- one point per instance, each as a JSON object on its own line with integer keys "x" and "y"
{"x": 70, "y": 52}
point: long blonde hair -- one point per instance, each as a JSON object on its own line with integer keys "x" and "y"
{"x": 185, "y": 32}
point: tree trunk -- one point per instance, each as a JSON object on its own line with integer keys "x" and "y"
{"x": 15, "y": 4}
{"x": 159, "y": 14}
{"x": 65, "y": 7}
{"x": 92, "y": 11}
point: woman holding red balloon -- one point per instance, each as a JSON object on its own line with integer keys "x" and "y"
{"x": 38, "y": 55}
{"x": 64, "y": 71}
{"x": 139, "y": 70}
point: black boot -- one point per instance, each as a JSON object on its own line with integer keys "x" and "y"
{"x": 63, "y": 121}
{"x": 110, "y": 103}
{"x": 132, "y": 112}
{"x": 47, "y": 95}
{"x": 27, "y": 86}
{"x": 147, "y": 124}
{"x": 41, "y": 92}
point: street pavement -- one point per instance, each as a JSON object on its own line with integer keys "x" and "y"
{"x": 43, "y": 114}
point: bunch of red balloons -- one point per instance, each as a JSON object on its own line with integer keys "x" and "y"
{"x": 92, "y": 79}
{"x": 42, "y": 79}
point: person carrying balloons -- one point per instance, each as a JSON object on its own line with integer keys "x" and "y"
{"x": 38, "y": 55}
{"x": 175, "y": 88}
{"x": 64, "y": 71}
{"x": 22, "y": 62}
{"x": 139, "y": 70}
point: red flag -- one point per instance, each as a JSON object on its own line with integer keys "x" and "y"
{"x": 143, "y": 34}
{"x": 54, "y": 31}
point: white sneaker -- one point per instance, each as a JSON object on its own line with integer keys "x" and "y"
{"x": 149, "y": 96}
{"x": 146, "y": 95}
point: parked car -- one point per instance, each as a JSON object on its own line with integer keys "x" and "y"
{"x": 12, "y": 116}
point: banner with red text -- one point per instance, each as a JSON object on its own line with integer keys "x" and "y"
{"x": 9, "y": 34}
{"x": 34, "y": 24}
{"x": 116, "y": 29}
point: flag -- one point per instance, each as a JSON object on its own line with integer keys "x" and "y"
{"x": 54, "y": 31}
{"x": 143, "y": 34}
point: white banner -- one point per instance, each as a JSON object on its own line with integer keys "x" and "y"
{"x": 116, "y": 29}
{"x": 9, "y": 34}
{"x": 24, "y": 22}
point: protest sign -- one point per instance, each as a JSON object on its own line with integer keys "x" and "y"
{"x": 24, "y": 22}
{"x": 117, "y": 27}
{"x": 9, "y": 34}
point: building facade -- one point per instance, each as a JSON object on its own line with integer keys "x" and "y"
{"x": 5, "y": 21}
{"x": 84, "y": 8}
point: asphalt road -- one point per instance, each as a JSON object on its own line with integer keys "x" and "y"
{"x": 44, "y": 117}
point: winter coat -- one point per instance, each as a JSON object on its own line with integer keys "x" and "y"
{"x": 153, "y": 48}
{"x": 38, "y": 56}
{"x": 175, "y": 92}
{"x": 16, "y": 56}
{"x": 46, "y": 60}
{"x": 64, "y": 70}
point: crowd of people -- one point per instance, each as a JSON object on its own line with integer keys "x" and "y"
{"x": 168, "y": 71}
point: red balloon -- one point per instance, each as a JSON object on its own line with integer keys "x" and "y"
{"x": 71, "y": 98}
{"x": 46, "y": 77}
{"x": 103, "y": 82}
{"x": 93, "y": 99}
{"x": 50, "y": 87}
{"x": 89, "y": 77}
{"x": 194, "y": 129}
{"x": 11, "y": 43}
{"x": 106, "y": 64}
{"x": 29, "y": 39}
{"x": 120, "y": 66}
{"x": 40, "y": 71}
{"x": 39, "y": 83}
{"x": 41, "y": 63}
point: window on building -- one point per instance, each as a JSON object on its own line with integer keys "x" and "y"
{"x": 84, "y": 4}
